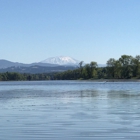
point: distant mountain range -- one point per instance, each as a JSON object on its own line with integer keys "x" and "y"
{"x": 7, "y": 64}
{"x": 53, "y": 64}
{"x": 49, "y": 62}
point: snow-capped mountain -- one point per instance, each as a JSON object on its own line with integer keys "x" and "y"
{"x": 61, "y": 60}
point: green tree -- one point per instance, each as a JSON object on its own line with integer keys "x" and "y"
{"x": 86, "y": 71}
{"x": 136, "y": 66}
{"x": 126, "y": 62}
{"x": 81, "y": 68}
{"x": 93, "y": 72}
{"x": 111, "y": 67}
{"x": 117, "y": 69}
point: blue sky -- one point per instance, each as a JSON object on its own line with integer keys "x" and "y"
{"x": 88, "y": 30}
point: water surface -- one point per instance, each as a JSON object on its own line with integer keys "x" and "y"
{"x": 72, "y": 110}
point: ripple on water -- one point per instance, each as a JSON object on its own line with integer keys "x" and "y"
{"x": 71, "y": 110}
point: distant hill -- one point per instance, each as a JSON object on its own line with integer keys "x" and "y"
{"x": 7, "y": 64}
{"x": 37, "y": 69}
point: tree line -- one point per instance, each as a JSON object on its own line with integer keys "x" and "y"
{"x": 14, "y": 76}
{"x": 126, "y": 67}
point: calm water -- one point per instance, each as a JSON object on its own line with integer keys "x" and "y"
{"x": 71, "y": 110}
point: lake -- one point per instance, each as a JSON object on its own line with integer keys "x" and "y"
{"x": 71, "y": 110}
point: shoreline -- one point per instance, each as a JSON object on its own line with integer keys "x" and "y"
{"x": 115, "y": 80}
{"x": 91, "y": 80}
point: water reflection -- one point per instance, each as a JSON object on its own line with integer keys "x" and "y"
{"x": 43, "y": 93}
{"x": 123, "y": 94}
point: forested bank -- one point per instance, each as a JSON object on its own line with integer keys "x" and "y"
{"x": 14, "y": 76}
{"x": 126, "y": 67}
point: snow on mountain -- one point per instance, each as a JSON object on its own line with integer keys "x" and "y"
{"x": 61, "y": 60}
